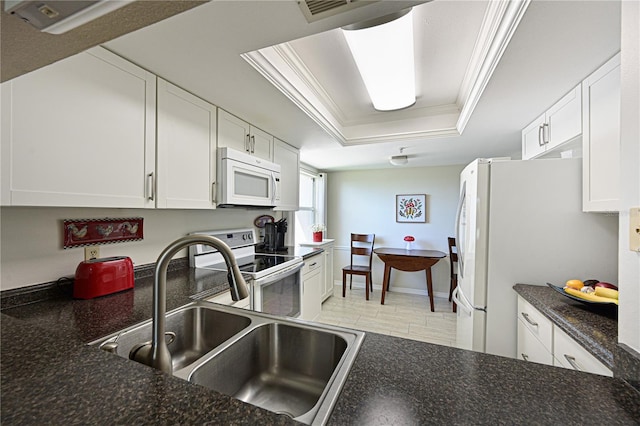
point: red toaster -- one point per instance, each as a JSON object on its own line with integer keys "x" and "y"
{"x": 99, "y": 277}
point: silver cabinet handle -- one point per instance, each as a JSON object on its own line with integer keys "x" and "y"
{"x": 541, "y": 135}
{"x": 253, "y": 144}
{"x": 529, "y": 320}
{"x": 525, "y": 357}
{"x": 573, "y": 362}
{"x": 545, "y": 133}
{"x": 313, "y": 264}
{"x": 151, "y": 190}
{"x": 247, "y": 143}
{"x": 213, "y": 192}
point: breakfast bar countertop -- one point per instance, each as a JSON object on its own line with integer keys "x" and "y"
{"x": 48, "y": 373}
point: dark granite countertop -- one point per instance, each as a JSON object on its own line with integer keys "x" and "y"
{"x": 48, "y": 372}
{"x": 595, "y": 329}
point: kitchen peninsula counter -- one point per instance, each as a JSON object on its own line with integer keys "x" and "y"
{"x": 50, "y": 375}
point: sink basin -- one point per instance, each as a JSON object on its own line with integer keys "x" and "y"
{"x": 279, "y": 367}
{"x": 287, "y": 366}
{"x": 198, "y": 330}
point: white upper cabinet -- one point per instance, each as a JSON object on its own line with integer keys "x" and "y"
{"x": 288, "y": 158}
{"x": 241, "y": 136}
{"x": 80, "y": 133}
{"x": 558, "y": 126}
{"x": 532, "y": 138}
{"x": 186, "y": 149}
{"x": 601, "y": 138}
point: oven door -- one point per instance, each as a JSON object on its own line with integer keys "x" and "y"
{"x": 279, "y": 293}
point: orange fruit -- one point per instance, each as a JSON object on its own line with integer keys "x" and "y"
{"x": 576, "y": 284}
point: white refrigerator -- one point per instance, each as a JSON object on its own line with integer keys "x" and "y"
{"x": 522, "y": 222}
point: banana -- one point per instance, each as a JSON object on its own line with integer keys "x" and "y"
{"x": 590, "y": 297}
{"x": 606, "y": 292}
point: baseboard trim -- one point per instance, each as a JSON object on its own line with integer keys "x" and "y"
{"x": 395, "y": 289}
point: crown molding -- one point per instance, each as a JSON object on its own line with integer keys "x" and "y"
{"x": 283, "y": 68}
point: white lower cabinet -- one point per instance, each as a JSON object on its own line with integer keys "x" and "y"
{"x": 327, "y": 279}
{"x": 534, "y": 335}
{"x": 312, "y": 285}
{"x": 541, "y": 341}
{"x": 80, "y": 133}
{"x": 530, "y": 348}
{"x": 569, "y": 354}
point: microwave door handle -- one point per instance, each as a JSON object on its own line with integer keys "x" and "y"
{"x": 276, "y": 189}
{"x": 459, "y": 243}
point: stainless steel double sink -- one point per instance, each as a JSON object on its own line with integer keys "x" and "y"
{"x": 287, "y": 366}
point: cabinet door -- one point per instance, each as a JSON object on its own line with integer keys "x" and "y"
{"x": 186, "y": 149}
{"x": 233, "y": 132}
{"x": 565, "y": 119}
{"x": 260, "y": 144}
{"x": 312, "y": 286}
{"x": 532, "y": 139}
{"x": 569, "y": 354}
{"x": 328, "y": 274}
{"x": 80, "y": 133}
{"x": 530, "y": 348}
{"x": 288, "y": 158}
{"x": 601, "y": 138}
{"x": 538, "y": 325}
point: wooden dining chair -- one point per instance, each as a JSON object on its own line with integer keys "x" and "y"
{"x": 453, "y": 258}
{"x": 361, "y": 246}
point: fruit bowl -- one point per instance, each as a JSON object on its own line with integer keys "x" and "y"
{"x": 584, "y": 301}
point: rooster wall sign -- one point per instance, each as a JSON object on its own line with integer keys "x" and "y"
{"x": 91, "y": 232}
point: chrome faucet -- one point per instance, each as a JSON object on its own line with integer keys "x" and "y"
{"x": 156, "y": 353}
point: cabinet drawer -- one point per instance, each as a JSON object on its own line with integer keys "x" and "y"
{"x": 569, "y": 354}
{"x": 539, "y": 325}
{"x": 312, "y": 264}
{"x": 530, "y": 348}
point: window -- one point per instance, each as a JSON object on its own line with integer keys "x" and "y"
{"x": 312, "y": 204}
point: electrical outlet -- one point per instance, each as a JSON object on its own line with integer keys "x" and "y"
{"x": 91, "y": 252}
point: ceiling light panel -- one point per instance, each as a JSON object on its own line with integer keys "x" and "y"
{"x": 384, "y": 56}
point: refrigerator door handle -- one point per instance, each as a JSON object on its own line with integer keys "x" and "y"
{"x": 462, "y": 306}
{"x": 466, "y": 301}
{"x": 459, "y": 243}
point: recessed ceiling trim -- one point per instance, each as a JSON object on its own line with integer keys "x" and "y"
{"x": 498, "y": 26}
{"x": 286, "y": 71}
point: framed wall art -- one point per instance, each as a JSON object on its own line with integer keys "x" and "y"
{"x": 411, "y": 208}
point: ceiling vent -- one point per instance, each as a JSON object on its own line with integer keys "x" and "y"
{"x": 315, "y": 10}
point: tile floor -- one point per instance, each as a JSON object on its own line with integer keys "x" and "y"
{"x": 402, "y": 315}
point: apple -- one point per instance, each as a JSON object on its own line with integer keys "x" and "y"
{"x": 606, "y": 285}
{"x": 591, "y": 283}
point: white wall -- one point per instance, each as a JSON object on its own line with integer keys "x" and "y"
{"x": 31, "y": 249}
{"x": 364, "y": 202}
{"x": 629, "y": 262}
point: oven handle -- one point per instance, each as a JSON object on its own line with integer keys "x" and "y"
{"x": 270, "y": 279}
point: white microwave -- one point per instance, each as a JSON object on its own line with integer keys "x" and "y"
{"x": 245, "y": 180}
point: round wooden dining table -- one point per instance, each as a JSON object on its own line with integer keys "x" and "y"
{"x": 408, "y": 261}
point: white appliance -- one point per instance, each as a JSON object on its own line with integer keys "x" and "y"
{"x": 274, "y": 280}
{"x": 522, "y": 222}
{"x": 246, "y": 180}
